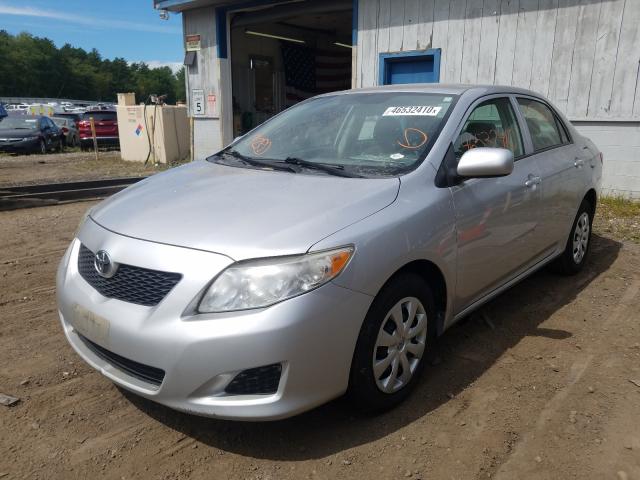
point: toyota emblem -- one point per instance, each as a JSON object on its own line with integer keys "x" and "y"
{"x": 104, "y": 266}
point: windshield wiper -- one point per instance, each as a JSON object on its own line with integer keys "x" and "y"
{"x": 337, "y": 170}
{"x": 254, "y": 162}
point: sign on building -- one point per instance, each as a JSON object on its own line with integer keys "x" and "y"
{"x": 198, "y": 106}
{"x": 193, "y": 43}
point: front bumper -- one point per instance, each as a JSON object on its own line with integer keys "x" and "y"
{"x": 312, "y": 336}
{"x": 22, "y": 146}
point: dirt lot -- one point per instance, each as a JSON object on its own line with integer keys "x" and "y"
{"x": 68, "y": 166}
{"x": 545, "y": 386}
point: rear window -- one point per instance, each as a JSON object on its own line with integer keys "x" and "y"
{"x": 99, "y": 116}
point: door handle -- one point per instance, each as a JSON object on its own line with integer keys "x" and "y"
{"x": 532, "y": 181}
{"x": 578, "y": 163}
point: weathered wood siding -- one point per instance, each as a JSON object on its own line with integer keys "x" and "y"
{"x": 583, "y": 54}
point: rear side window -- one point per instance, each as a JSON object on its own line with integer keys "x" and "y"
{"x": 543, "y": 125}
{"x": 99, "y": 116}
{"x": 491, "y": 124}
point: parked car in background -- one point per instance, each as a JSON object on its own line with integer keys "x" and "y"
{"x": 76, "y": 117}
{"x": 69, "y": 130}
{"x": 30, "y": 134}
{"x": 324, "y": 252}
{"x": 106, "y": 125}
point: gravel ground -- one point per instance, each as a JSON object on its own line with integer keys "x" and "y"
{"x": 543, "y": 384}
{"x": 68, "y": 167}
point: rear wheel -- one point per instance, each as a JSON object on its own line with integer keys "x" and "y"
{"x": 393, "y": 344}
{"x": 578, "y": 244}
{"x": 60, "y": 146}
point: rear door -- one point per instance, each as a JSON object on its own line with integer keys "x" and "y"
{"x": 561, "y": 169}
{"x": 496, "y": 218}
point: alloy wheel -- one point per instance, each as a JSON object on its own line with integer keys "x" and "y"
{"x": 400, "y": 345}
{"x": 581, "y": 237}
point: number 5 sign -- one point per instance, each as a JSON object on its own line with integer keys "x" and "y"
{"x": 198, "y": 106}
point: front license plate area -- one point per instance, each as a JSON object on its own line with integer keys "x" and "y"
{"x": 90, "y": 325}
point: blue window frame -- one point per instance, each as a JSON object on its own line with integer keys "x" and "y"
{"x": 417, "y": 66}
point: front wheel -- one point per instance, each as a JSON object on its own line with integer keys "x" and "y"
{"x": 578, "y": 244}
{"x": 393, "y": 343}
{"x": 42, "y": 147}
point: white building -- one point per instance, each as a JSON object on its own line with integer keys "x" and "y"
{"x": 249, "y": 59}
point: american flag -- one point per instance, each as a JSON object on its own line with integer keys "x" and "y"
{"x": 310, "y": 72}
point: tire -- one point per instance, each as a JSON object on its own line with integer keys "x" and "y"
{"x": 576, "y": 251}
{"x": 42, "y": 147}
{"x": 74, "y": 141}
{"x": 60, "y": 147}
{"x": 378, "y": 389}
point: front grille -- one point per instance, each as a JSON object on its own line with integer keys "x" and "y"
{"x": 130, "y": 284}
{"x": 256, "y": 381}
{"x": 140, "y": 371}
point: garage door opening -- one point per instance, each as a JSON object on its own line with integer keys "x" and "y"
{"x": 284, "y": 54}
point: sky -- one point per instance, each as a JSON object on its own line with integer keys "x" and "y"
{"x": 130, "y": 29}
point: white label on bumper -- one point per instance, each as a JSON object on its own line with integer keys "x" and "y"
{"x": 90, "y": 325}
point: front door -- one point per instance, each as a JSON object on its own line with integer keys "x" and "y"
{"x": 496, "y": 218}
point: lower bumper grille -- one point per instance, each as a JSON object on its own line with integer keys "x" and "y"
{"x": 140, "y": 371}
{"x": 256, "y": 381}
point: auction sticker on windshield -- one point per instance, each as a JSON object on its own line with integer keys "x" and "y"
{"x": 416, "y": 110}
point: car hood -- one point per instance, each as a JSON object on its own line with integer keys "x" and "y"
{"x": 240, "y": 212}
{"x": 17, "y": 133}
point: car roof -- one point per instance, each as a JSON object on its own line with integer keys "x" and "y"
{"x": 439, "y": 88}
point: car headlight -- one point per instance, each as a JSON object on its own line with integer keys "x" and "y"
{"x": 264, "y": 282}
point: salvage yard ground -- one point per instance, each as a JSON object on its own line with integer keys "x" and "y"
{"x": 544, "y": 383}
{"x": 68, "y": 167}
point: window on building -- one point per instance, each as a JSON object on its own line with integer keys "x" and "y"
{"x": 491, "y": 124}
{"x": 543, "y": 124}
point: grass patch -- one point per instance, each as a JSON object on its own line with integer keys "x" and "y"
{"x": 618, "y": 218}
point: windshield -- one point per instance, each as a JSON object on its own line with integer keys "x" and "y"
{"x": 19, "y": 123}
{"x": 368, "y": 134}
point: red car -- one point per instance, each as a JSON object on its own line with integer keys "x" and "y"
{"x": 106, "y": 123}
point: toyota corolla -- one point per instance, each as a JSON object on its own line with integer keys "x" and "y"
{"x": 324, "y": 252}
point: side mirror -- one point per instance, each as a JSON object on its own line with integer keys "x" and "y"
{"x": 486, "y": 162}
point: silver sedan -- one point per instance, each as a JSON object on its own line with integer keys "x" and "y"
{"x": 324, "y": 252}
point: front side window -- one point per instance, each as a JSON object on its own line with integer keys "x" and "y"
{"x": 542, "y": 123}
{"x": 491, "y": 124}
{"x": 379, "y": 134}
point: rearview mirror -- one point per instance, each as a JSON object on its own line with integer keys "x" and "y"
{"x": 486, "y": 162}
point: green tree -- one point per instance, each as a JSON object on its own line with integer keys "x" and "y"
{"x": 33, "y": 67}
